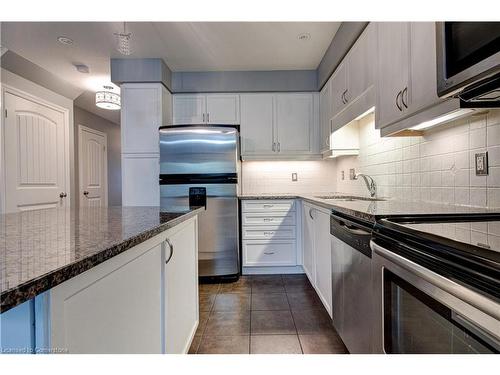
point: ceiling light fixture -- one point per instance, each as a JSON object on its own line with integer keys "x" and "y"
{"x": 65, "y": 40}
{"x": 82, "y": 68}
{"x": 123, "y": 41}
{"x": 304, "y": 37}
{"x": 107, "y": 99}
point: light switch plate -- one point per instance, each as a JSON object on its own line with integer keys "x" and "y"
{"x": 481, "y": 162}
{"x": 294, "y": 176}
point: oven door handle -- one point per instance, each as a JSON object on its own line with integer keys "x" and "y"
{"x": 469, "y": 296}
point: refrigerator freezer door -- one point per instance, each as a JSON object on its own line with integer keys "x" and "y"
{"x": 218, "y": 241}
{"x": 198, "y": 150}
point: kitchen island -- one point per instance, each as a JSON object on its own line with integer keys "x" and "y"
{"x": 99, "y": 280}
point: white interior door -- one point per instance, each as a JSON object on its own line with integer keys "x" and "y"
{"x": 93, "y": 167}
{"x": 36, "y": 156}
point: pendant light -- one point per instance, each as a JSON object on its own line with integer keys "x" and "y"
{"x": 107, "y": 99}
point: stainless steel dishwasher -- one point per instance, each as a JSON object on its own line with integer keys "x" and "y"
{"x": 352, "y": 304}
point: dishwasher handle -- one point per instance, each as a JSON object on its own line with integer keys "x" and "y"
{"x": 350, "y": 227}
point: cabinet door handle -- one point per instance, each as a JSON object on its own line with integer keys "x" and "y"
{"x": 64, "y": 195}
{"x": 268, "y": 205}
{"x": 343, "y": 99}
{"x": 279, "y": 147}
{"x": 269, "y": 252}
{"x": 403, "y": 94}
{"x": 268, "y": 233}
{"x": 310, "y": 214}
{"x": 171, "y": 250}
{"x": 268, "y": 219}
{"x": 203, "y": 117}
{"x": 208, "y": 117}
{"x": 274, "y": 146}
{"x": 346, "y": 96}
{"x": 397, "y": 101}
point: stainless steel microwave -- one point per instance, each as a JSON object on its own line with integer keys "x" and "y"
{"x": 468, "y": 60}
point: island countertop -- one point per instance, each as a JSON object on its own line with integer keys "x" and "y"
{"x": 42, "y": 248}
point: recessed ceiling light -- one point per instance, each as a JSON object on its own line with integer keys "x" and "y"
{"x": 65, "y": 40}
{"x": 304, "y": 36}
{"x": 82, "y": 68}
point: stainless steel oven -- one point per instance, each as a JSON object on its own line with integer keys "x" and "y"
{"x": 432, "y": 295}
{"x": 468, "y": 60}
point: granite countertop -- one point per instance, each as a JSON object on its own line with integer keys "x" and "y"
{"x": 372, "y": 210}
{"x": 43, "y": 248}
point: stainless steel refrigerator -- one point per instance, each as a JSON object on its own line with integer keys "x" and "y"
{"x": 199, "y": 166}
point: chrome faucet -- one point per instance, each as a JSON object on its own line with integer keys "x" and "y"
{"x": 370, "y": 183}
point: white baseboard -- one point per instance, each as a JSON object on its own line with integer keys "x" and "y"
{"x": 271, "y": 270}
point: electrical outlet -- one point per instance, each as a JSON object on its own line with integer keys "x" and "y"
{"x": 481, "y": 163}
{"x": 343, "y": 175}
{"x": 352, "y": 174}
{"x": 294, "y": 176}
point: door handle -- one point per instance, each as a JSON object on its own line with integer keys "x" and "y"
{"x": 171, "y": 250}
{"x": 403, "y": 94}
{"x": 397, "y": 101}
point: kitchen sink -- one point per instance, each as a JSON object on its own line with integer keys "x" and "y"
{"x": 349, "y": 198}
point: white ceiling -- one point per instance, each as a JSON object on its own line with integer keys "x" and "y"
{"x": 184, "y": 46}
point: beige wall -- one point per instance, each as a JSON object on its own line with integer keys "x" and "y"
{"x": 85, "y": 118}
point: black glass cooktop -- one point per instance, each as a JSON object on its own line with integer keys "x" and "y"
{"x": 465, "y": 248}
{"x": 484, "y": 234}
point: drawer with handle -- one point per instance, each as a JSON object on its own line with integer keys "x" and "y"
{"x": 269, "y": 232}
{"x": 268, "y": 205}
{"x": 269, "y": 253}
{"x": 274, "y": 218}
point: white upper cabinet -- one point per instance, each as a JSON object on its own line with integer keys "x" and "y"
{"x": 393, "y": 71}
{"x": 223, "y": 109}
{"x": 361, "y": 65}
{"x": 217, "y": 109}
{"x": 280, "y": 126}
{"x": 295, "y": 124}
{"x": 189, "y": 109}
{"x": 406, "y": 70}
{"x": 257, "y": 119}
{"x": 325, "y": 114}
{"x": 352, "y": 92}
{"x": 423, "y": 70}
{"x": 339, "y": 88}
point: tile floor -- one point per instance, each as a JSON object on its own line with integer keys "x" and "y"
{"x": 273, "y": 314}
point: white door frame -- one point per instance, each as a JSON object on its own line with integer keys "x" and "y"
{"x": 81, "y": 129}
{"x": 4, "y": 88}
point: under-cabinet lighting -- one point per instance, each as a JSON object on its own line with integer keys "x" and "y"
{"x": 371, "y": 110}
{"x": 455, "y": 115}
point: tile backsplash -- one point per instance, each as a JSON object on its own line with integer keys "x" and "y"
{"x": 436, "y": 167}
{"x": 268, "y": 177}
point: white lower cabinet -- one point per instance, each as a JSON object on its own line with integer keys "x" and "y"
{"x": 269, "y": 233}
{"x": 181, "y": 289}
{"x": 133, "y": 302}
{"x": 317, "y": 251}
